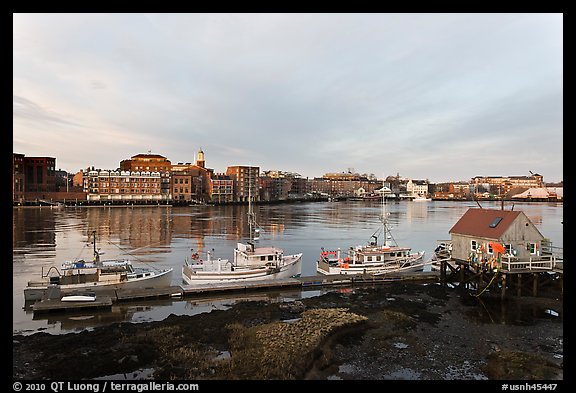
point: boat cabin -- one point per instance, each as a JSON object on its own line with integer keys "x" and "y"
{"x": 247, "y": 254}
{"x": 492, "y": 233}
{"x": 377, "y": 254}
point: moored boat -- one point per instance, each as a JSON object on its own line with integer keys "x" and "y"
{"x": 373, "y": 258}
{"x": 80, "y": 275}
{"x": 249, "y": 262}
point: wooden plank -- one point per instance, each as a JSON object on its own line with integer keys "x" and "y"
{"x": 235, "y": 286}
{"x": 143, "y": 293}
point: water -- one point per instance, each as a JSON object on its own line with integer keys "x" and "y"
{"x": 164, "y": 236}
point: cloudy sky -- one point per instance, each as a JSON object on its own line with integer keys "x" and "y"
{"x": 443, "y": 97}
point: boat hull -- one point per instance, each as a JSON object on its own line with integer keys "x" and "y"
{"x": 36, "y": 291}
{"x": 291, "y": 268}
{"x": 415, "y": 264}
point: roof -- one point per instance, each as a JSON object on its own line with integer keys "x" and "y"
{"x": 148, "y": 156}
{"x": 477, "y": 222}
{"x": 540, "y": 192}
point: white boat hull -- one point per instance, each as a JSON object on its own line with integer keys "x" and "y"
{"x": 211, "y": 274}
{"x": 78, "y": 298}
{"x": 36, "y": 290}
{"x": 415, "y": 264}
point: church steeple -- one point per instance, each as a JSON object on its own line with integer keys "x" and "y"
{"x": 200, "y": 159}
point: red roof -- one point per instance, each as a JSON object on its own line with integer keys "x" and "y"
{"x": 486, "y": 223}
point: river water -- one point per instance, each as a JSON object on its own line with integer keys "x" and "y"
{"x": 163, "y": 236}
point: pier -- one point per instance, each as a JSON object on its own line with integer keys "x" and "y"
{"x": 509, "y": 277}
{"x": 105, "y": 298}
{"x": 527, "y": 276}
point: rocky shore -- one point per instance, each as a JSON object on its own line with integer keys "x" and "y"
{"x": 395, "y": 331}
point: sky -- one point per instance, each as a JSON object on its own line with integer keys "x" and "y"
{"x": 443, "y": 97}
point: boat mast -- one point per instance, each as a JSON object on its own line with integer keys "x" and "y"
{"x": 384, "y": 214}
{"x": 250, "y": 214}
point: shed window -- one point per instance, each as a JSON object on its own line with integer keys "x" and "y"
{"x": 495, "y": 222}
{"x": 473, "y": 245}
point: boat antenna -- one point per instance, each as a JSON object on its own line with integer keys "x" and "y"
{"x": 385, "y": 232}
{"x": 384, "y": 213}
{"x": 250, "y": 214}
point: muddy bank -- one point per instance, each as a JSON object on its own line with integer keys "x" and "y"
{"x": 387, "y": 332}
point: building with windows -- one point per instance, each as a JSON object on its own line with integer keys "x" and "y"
{"x": 502, "y": 185}
{"x": 246, "y": 180}
{"x": 32, "y": 177}
{"x": 221, "y": 188}
{"x": 478, "y": 232}
{"x": 417, "y": 188}
{"x": 123, "y": 186}
{"x": 190, "y": 183}
{"x": 18, "y": 178}
{"x": 40, "y": 174}
{"x": 150, "y": 163}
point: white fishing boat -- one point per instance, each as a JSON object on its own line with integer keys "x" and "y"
{"x": 373, "y": 258}
{"x": 80, "y": 276}
{"x": 249, "y": 262}
{"x": 421, "y": 198}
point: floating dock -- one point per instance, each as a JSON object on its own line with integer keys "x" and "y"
{"x": 106, "y": 297}
{"x": 52, "y": 305}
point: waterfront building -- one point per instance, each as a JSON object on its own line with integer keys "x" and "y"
{"x": 417, "y": 188}
{"x": 484, "y": 233}
{"x": 18, "y": 178}
{"x": 278, "y": 185}
{"x": 151, "y": 163}
{"x": 78, "y": 179}
{"x": 189, "y": 183}
{"x": 246, "y": 182}
{"x": 220, "y": 188}
{"x": 40, "y": 174}
{"x": 503, "y": 185}
{"x": 123, "y": 186}
{"x": 344, "y": 184}
{"x": 32, "y": 177}
{"x": 450, "y": 190}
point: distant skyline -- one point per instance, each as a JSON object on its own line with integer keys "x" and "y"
{"x": 439, "y": 96}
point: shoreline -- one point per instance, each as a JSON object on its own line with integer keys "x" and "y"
{"x": 64, "y": 203}
{"x": 395, "y": 331}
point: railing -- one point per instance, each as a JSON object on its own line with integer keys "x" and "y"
{"x": 532, "y": 263}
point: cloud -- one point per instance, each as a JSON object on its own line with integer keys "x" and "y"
{"x": 25, "y": 109}
{"x": 311, "y": 93}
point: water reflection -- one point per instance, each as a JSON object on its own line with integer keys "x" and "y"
{"x": 510, "y": 311}
{"x": 153, "y": 310}
{"x": 163, "y": 236}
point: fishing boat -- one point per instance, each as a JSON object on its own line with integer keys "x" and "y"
{"x": 421, "y": 198}
{"x": 80, "y": 276}
{"x": 442, "y": 253}
{"x": 249, "y": 262}
{"x": 373, "y": 258}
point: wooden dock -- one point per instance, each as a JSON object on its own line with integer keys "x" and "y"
{"x": 54, "y": 305}
{"x": 531, "y": 276}
{"x": 106, "y": 297}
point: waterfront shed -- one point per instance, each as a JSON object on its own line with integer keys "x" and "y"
{"x": 481, "y": 233}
